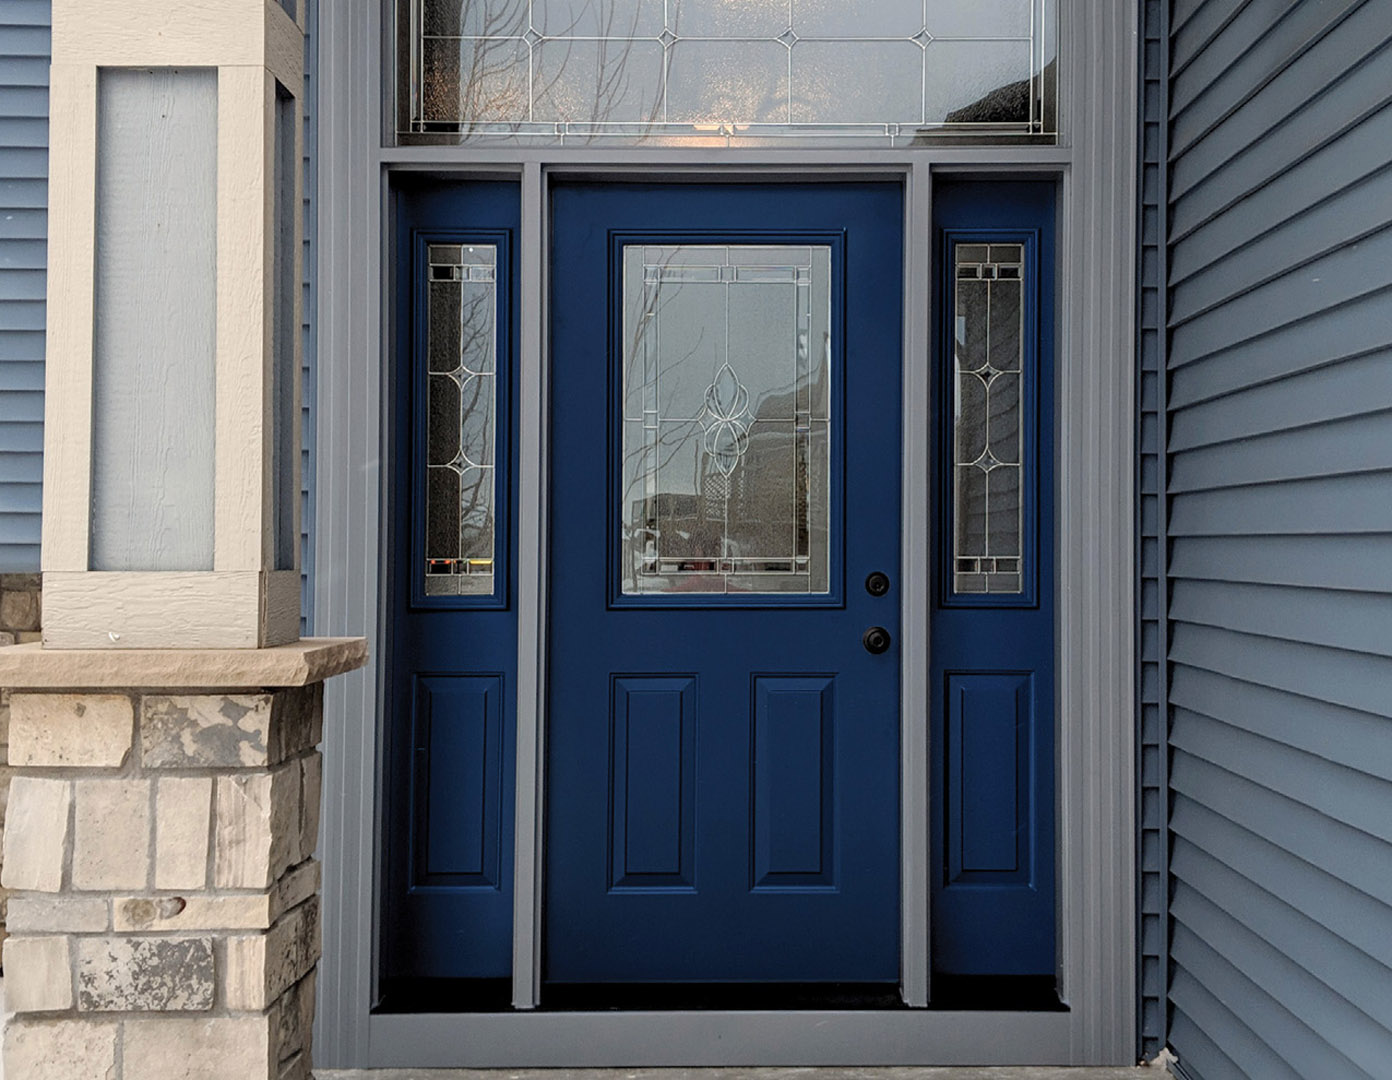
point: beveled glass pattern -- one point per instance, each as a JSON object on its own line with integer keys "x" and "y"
{"x": 461, "y": 403}
{"x": 726, "y": 442}
{"x": 988, "y": 435}
{"x": 726, "y": 71}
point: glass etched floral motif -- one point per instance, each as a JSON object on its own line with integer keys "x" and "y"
{"x": 725, "y": 484}
{"x": 988, "y": 436}
{"x": 891, "y": 71}
{"x": 461, "y": 401}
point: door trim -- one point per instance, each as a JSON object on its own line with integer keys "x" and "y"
{"x": 1095, "y": 159}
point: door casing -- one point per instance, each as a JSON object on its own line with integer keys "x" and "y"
{"x": 1094, "y": 163}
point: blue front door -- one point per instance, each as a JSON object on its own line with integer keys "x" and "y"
{"x": 722, "y": 764}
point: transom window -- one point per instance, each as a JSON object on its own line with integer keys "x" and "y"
{"x": 715, "y": 72}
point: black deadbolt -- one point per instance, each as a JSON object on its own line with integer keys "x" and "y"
{"x": 877, "y": 584}
{"x": 876, "y": 640}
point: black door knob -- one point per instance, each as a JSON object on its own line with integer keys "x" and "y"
{"x": 876, "y": 640}
{"x": 877, "y": 584}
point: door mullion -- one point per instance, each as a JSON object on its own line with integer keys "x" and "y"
{"x": 915, "y": 966}
{"x": 531, "y": 595}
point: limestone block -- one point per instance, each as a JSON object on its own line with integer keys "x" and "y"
{"x": 295, "y": 887}
{"x": 145, "y": 974}
{"x": 36, "y": 834}
{"x": 7, "y": 637}
{"x": 261, "y": 968}
{"x": 183, "y": 809}
{"x": 88, "y": 730}
{"x": 38, "y": 974}
{"x": 228, "y": 731}
{"x": 44, "y": 915}
{"x": 292, "y": 1020}
{"x": 258, "y": 827}
{"x": 223, "y": 1048}
{"x": 111, "y": 842}
{"x": 205, "y": 730}
{"x": 60, "y": 1050}
{"x": 20, "y": 609}
{"x": 311, "y": 792}
{"x": 248, "y": 911}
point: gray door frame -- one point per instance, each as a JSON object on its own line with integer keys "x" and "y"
{"x": 1095, "y": 165}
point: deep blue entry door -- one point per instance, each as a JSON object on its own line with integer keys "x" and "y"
{"x": 722, "y": 773}
{"x": 992, "y": 632}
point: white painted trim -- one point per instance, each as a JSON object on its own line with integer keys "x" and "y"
{"x": 72, "y": 228}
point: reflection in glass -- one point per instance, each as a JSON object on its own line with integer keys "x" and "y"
{"x": 726, "y": 453}
{"x": 724, "y": 71}
{"x": 461, "y": 403}
{"x": 988, "y": 435}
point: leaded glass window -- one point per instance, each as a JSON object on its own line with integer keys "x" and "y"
{"x": 988, "y": 406}
{"x": 727, "y": 423}
{"x": 725, "y": 71}
{"x": 461, "y": 404}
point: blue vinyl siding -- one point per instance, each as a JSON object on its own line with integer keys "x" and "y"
{"x": 24, "y": 62}
{"x": 24, "y": 57}
{"x": 1266, "y": 527}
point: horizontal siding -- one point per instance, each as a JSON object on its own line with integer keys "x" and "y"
{"x": 1276, "y": 510}
{"x": 24, "y": 51}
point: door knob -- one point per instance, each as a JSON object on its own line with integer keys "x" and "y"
{"x": 876, "y": 640}
{"x": 877, "y": 584}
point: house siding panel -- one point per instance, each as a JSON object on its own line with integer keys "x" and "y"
{"x": 24, "y": 63}
{"x": 24, "y": 57}
{"x": 1266, "y": 590}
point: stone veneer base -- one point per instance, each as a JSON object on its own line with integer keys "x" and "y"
{"x": 158, "y": 849}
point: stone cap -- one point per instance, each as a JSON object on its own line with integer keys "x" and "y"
{"x": 309, "y": 660}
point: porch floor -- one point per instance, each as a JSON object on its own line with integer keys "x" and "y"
{"x": 846, "y": 1073}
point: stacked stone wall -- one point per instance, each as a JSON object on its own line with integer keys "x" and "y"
{"x": 21, "y": 612}
{"x": 164, "y": 911}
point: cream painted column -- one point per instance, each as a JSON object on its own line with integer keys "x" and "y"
{"x": 154, "y": 559}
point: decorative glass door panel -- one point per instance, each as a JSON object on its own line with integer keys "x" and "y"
{"x": 722, "y": 739}
{"x": 727, "y": 425}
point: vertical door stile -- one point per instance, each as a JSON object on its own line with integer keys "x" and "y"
{"x": 915, "y": 976}
{"x": 531, "y": 593}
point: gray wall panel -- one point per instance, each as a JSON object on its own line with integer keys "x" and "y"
{"x": 1270, "y": 580}
{"x": 24, "y": 45}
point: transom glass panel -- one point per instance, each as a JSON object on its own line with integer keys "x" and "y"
{"x": 726, "y": 441}
{"x": 461, "y": 403}
{"x": 988, "y": 436}
{"x": 726, "y": 71}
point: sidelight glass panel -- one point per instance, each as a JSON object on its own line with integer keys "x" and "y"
{"x": 988, "y": 429}
{"x": 461, "y": 405}
{"x": 726, "y": 442}
{"x": 894, "y": 72}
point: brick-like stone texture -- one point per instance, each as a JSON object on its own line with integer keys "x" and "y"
{"x": 223, "y": 1048}
{"x": 111, "y": 841}
{"x": 258, "y": 827}
{"x": 60, "y": 1050}
{"x": 56, "y": 915}
{"x": 183, "y": 809}
{"x": 36, "y": 834}
{"x": 87, "y": 730}
{"x": 169, "y": 910}
{"x": 228, "y": 731}
{"x": 131, "y": 974}
{"x": 262, "y": 967}
{"x": 38, "y": 974}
